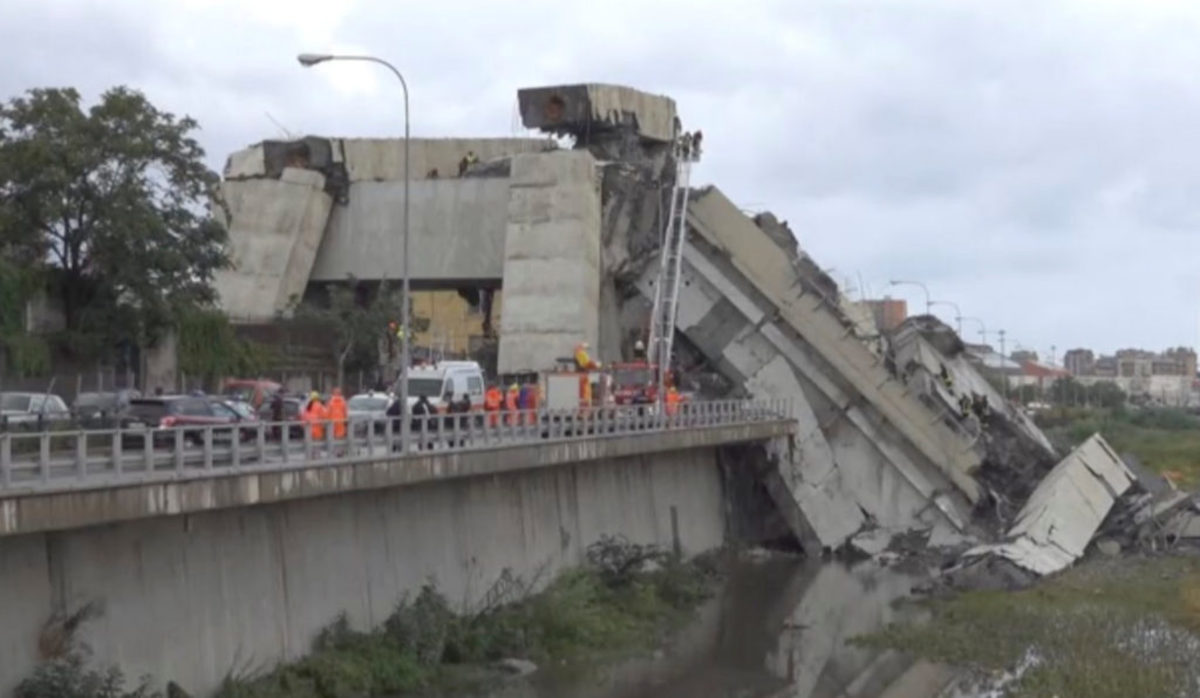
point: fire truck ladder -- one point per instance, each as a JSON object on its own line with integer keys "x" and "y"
{"x": 666, "y": 287}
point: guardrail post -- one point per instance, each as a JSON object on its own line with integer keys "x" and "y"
{"x": 260, "y": 443}
{"x": 80, "y": 453}
{"x": 308, "y": 443}
{"x": 148, "y": 454}
{"x": 44, "y": 455}
{"x": 371, "y": 436}
{"x": 117, "y": 455}
{"x": 285, "y": 441}
{"x": 235, "y": 448}
{"x": 177, "y": 448}
{"x": 5, "y": 458}
{"x": 208, "y": 448}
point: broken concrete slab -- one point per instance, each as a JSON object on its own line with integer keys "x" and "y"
{"x": 1054, "y": 527}
{"x": 580, "y": 109}
{"x": 872, "y": 542}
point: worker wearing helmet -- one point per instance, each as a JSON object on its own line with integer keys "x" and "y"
{"x": 639, "y": 350}
{"x": 583, "y": 360}
{"x": 315, "y": 414}
{"x": 511, "y": 403}
{"x": 338, "y": 413}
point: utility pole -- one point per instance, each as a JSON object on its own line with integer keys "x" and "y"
{"x": 1003, "y": 364}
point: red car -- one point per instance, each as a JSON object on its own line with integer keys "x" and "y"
{"x": 167, "y": 412}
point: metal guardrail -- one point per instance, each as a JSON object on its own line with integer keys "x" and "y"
{"x": 32, "y": 462}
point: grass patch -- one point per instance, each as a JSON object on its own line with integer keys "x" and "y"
{"x": 627, "y": 597}
{"x": 1165, "y": 440}
{"x": 1106, "y": 629}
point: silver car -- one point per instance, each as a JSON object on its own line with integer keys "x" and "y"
{"x": 367, "y": 409}
{"x": 25, "y": 410}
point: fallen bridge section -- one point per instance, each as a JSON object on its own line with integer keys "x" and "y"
{"x": 867, "y": 451}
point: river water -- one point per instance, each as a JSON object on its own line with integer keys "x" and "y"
{"x": 777, "y": 629}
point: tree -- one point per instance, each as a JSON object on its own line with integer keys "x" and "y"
{"x": 1106, "y": 394}
{"x": 115, "y": 202}
{"x": 356, "y": 318}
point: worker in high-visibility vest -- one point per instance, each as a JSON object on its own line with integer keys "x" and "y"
{"x": 492, "y": 401}
{"x": 315, "y": 414}
{"x": 672, "y": 401}
{"x": 583, "y": 360}
{"x": 511, "y": 399}
{"x": 338, "y": 413}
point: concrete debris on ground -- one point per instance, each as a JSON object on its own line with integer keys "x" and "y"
{"x": 1058, "y": 522}
{"x": 516, "y": 667}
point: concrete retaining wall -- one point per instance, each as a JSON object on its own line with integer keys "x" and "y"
{"x": 191, "y": 597}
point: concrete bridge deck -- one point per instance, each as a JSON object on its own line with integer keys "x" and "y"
{"x": 42, "y": 489}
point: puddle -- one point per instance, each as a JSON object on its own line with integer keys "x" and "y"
{"x": 777, "y": 629}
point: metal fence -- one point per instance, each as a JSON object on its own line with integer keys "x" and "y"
{"x": 85, "y": 459}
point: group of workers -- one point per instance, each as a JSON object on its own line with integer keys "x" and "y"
{"x": 316, "y": 414}
{"x": 518, "y": 398}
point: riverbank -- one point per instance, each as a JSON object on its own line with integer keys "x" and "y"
{"x": 626, "y": 598}
{"x": 1108, "y": 628}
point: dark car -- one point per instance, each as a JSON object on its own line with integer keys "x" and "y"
{"x": 189, "y": 413}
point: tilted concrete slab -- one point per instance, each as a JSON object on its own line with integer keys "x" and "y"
{"x": 275, "y": 227}
{"x": 720, "y": 223}
{"x": 583, "y": 108}
{"x": 1054, "y": 527}
{"x": 551, "y": 260}
{"x": 844, "y": 460}
{"x": 456, "y": 232}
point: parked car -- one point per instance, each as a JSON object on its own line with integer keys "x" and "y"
{"x": 367, "y": 409}
{"x": 28, "y": 410}
{"x": 102, "y": 410}
{"x": 255, "y": 392}
{"x": 192, "y": 413}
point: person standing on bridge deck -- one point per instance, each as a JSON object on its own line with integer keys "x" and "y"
{"x": 672, "y": 401}
{"x": 338, "y": 413}
{"x": 523, "y": 404}
{"x": 492, "y": 401}
{"x": 315, "y": 414}
{"x": 277, "y": 414}
{"x": 420, "y": 419}
{"x": 511, "y": 404}
{"x": 583, "y": 360}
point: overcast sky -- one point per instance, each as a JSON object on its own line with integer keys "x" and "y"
{"x": 1036, "y": 162}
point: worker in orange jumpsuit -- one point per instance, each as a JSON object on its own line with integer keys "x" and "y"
{"x": 338, "y": 413}
{"x": 315, "y": 414}
{"x": 672, "y": 401}
{"x": 492, "y": 400}
{"x": 511, "y": 399}
{"x": 583, "y": 360}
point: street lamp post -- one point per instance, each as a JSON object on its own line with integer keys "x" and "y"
{"x": 928, "y": 302}
{"x": 957, "y": 313}
{"x": 308, "y": 60}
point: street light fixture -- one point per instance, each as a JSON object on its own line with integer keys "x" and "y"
{"x": 928, "y": 302}
{"x": 957, "y": 313}
{"x": 308, "y": 60}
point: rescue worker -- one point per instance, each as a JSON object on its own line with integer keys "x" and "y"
{"x": 510, "y": 404}
{"x": 420, "y": 420}
{"x": 472, "y": 158}
{"x": 582, "y": 360}
{"x": 315, "y": 414}
{"x": 672, "y": 401}
{"x": 639, "y": 350}
{"x": 523, "y": 403}
{"x": 492, "y": 401}
{"x": 396, "y": 412}
{"x": 947, "y": 380}
{"x": 696, "y": 137}
{"x": 338, "y": 413}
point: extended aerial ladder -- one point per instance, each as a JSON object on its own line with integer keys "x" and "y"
{"x": 686, "y": 150}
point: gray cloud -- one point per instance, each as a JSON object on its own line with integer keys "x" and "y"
{"x": 1033, "y": 161}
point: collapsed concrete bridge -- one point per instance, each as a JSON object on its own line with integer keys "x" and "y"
{"x": 570, "y": 237}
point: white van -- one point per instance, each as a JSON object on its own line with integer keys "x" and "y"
{"x": 437, "y": 379}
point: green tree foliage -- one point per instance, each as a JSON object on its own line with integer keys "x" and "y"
{"x": 208, "y": 347}
{"x": 1106, "y": 394}
{"x": 355, "y": 318}
{"x": 115, "y": 202}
